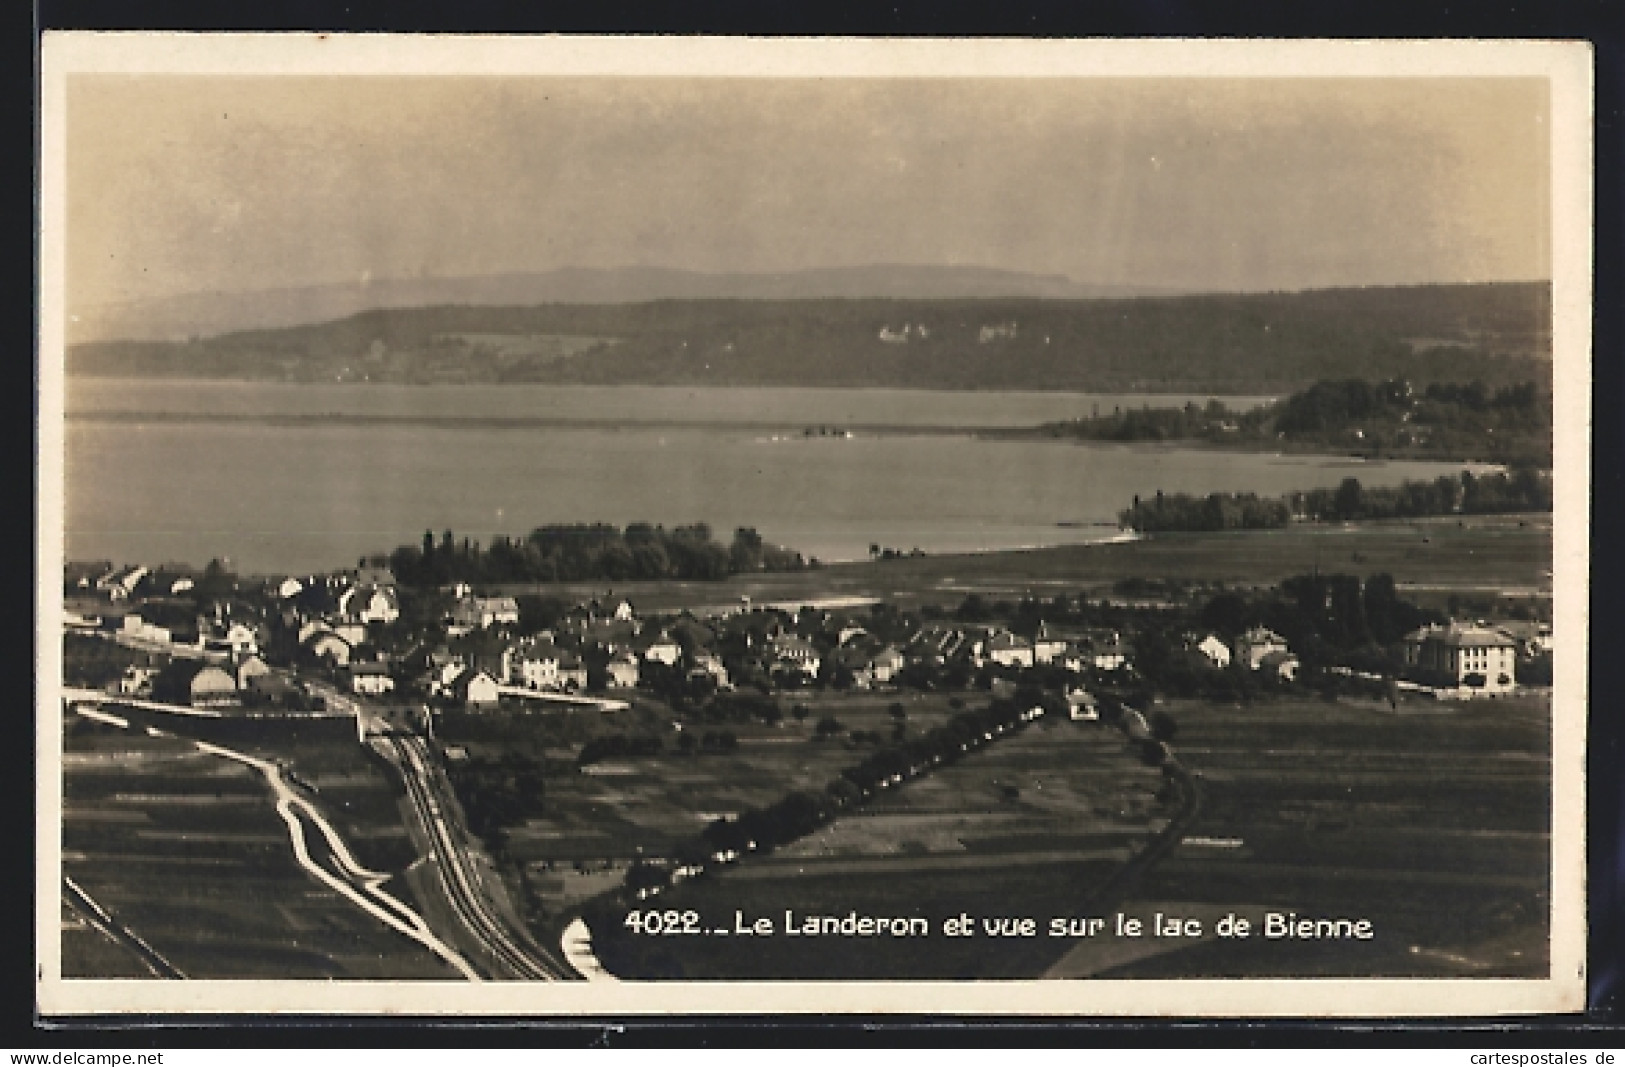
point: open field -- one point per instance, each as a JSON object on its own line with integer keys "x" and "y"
{"x": 1033, "y": 825}
{"x": 1430, "y": 821}
{"x": 95, "y": 952}
{"x": 600, "y": 819}
{"x": 186, "y": 850}
{"x": 1482, "y": 556}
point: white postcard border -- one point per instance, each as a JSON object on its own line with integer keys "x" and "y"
{"x": 1567, "y": 66}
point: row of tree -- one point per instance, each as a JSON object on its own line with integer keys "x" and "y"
{"x": 1182, "y": 512}
{"x": 801, "y": 812}
{"x": 617, "y": 746}
{"x": 1522, "y": 490}
{"x": 590, "y": 552}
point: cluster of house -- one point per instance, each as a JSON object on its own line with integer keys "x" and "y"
{"x": 609, "y": 647}
{"x": 218, "y": 652}
{"x": 484, "y": 655}
{"x": 1094, "y": 649}
{"x": 1457, "y": 659}
{"x": 1258, "y": 649}
{"x": 484, "y": 660}
{"x": 220, "y": 678}
{"x": 332, "y": 613}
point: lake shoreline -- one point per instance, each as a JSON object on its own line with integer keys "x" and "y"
{"x": 303, "y": 479}
{"x": 1436, "y": 555}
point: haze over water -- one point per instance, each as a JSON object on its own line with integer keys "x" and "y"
{"x": 148, "y": 482}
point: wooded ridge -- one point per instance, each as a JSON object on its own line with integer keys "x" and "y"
{"x": 1245, "y": 343}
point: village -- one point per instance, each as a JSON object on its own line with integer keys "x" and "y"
{"x": 206, "y": 639}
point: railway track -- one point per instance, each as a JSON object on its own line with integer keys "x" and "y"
{"x": 516, "y": 957}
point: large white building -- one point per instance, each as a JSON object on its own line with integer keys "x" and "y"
{"x": 1473, "y": 658}
{"x": 1468, "y": 657}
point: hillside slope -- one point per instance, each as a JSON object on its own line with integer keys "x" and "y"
{"x": 1225, "y": 343}
{"x": 206, "y": 314}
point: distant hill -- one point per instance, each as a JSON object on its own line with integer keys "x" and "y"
{"x": 1251, "y": 343}
{"x": 208, "y": 314}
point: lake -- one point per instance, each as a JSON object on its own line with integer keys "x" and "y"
{"x": 148, "y": 480}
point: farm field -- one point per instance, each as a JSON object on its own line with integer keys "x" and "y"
{"x": 1033, "y": 825}
{"x": 186, "y": 850}
{"x": 1485, "y": 556}
{"x": 1432, "y": 821}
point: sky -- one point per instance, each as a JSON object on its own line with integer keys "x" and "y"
{"x": 180, "y": 184}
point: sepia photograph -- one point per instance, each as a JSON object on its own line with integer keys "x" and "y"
{"x": 543, "y": 526}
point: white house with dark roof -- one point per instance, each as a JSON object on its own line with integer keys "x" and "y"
{"x": 475, "y": 689}
{"x": 533, "y": 663}
{"x": 794, "y": 653}
{"x": 371, "y": 679}
{"x": 710, "y": 665}
{"x": 1105, "y": 650}
{"x": 1046, "y": 646}
{"x": 663, "y": 650}
{"x": 481, "y": 613}
{"x": 1010, "y": 650}
{"x": 249, "y": 668}
{"x": 1215, "y": 651}
{"x": 1081, "y": 706}
{"x": 621, "y": 672}
{"x": 235, "y": 638}
{"x": 885, "y": 664}
{"x": 370, "y": 603}
{"x": 1282, "y": 665}
{"x": 119, "y": 584}
{"x": 572, "y": 672}
{"x": 1255, "y": 644}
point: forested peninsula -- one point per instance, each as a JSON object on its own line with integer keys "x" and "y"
{"x": 1390, "y": 419}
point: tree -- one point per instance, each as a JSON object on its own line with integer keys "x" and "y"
{"x": 1349, "y": 500}
{"x": 216, "y": 583}
{"x": 828, "y": 726}
{"x": 641, "y": 876}
{"x": 843, "y": 793}
{"x": 800, "y": 712}
{"x": 1163, "y": 725}
{"x": 1227, "y": 613}
{"x": 746, "y": 552}
{"x": 897, "y": 711}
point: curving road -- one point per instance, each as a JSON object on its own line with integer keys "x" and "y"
{"x": 332, "y": 864}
